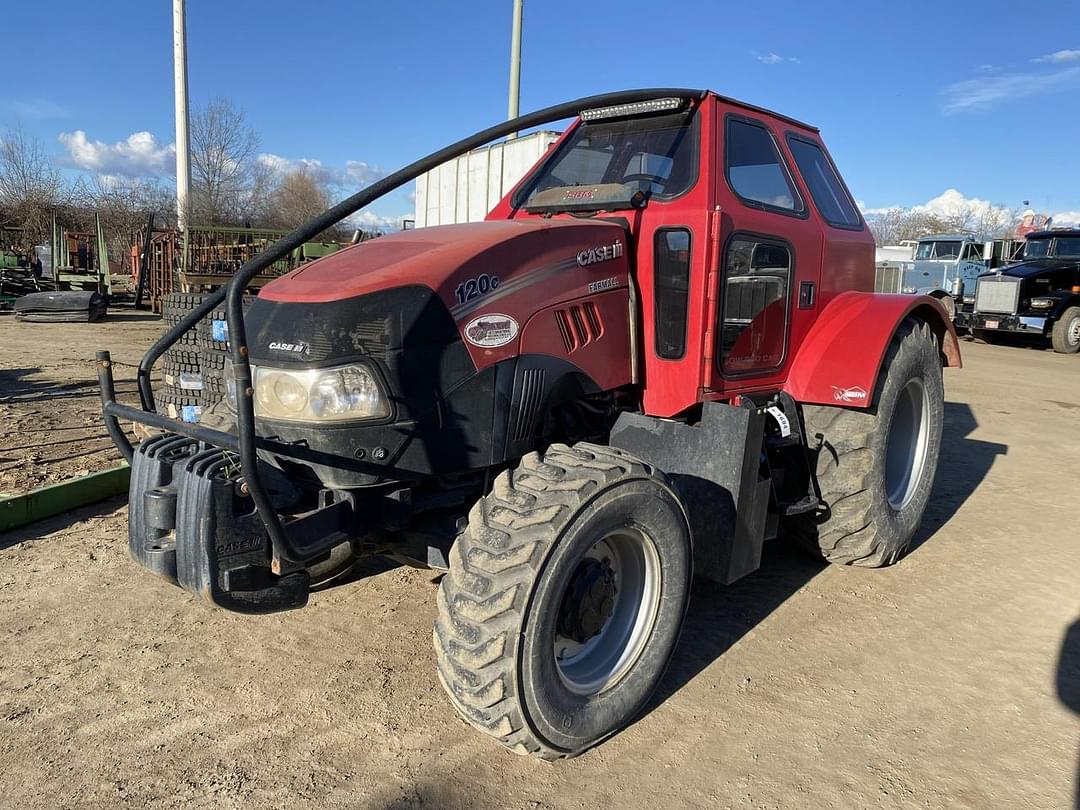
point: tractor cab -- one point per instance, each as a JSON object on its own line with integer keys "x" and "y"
{"x": 729, "y": 211}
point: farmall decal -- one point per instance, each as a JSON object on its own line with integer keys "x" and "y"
{"x": 603, "y": 284}
{"x": 853, "y": 394}
{"x": 600, "y": 254}
{"x": 489, "y": 331}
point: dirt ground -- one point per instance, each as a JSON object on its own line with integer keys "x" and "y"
{"x": 949, "y": 680}
{"x": 50, "y": 410}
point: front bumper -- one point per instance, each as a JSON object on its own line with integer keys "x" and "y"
{"x": 1017, "y": 324}
{"x": 192, "y": 522}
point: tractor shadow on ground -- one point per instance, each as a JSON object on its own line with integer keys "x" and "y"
{"x": 17, "y": 388}
{"x": 721, "y": 615}
{"x": 1068, "y": 685}
{"x": 963, "y": 464}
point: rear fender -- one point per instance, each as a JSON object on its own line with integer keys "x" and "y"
{"x": 840, "y": 359}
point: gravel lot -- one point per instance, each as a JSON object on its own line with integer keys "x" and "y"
{"x": 949, "y": 680}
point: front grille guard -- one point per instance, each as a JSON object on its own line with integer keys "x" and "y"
{"x": 244, "y": 442}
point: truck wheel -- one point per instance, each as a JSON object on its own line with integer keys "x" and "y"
{"x": 1065, "y": 337}
{"x": 875, "y": 468}
{"x": 564, "y": 600}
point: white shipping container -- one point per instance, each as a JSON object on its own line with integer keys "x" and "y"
{"x": 466, "y": 188}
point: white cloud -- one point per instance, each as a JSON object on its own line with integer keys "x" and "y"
{"x": 773, "y": 58}
{"x": 280, "y": 166}
{"x": 138, "y": 155}
{"x": 355, "y": 173}
{"x": 873, "y": 212}
{"x": 370, "y": 221}
{"x": 986, "y": 92}
{"x": 363, "y": 174}
{"x": 1057, "y": 57}
{"x": 952, "y": 204}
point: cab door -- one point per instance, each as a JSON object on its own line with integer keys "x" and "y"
{"x": 768, "y": 258}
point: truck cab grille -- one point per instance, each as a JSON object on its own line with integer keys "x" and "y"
{"x": 997, "y": 294}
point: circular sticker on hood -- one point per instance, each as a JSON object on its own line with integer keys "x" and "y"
{"x": 491, "y": 330}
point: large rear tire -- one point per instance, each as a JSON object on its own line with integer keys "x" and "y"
{"x": 564, "y": 600}
{"x": 875, "y": 468}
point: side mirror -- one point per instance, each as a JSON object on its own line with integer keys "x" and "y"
{"x": 988, "y": 251}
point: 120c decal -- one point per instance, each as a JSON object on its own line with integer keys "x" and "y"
{"x": 473, "y": 288}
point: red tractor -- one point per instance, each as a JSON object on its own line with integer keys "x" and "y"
{"x": 661, "y": 349}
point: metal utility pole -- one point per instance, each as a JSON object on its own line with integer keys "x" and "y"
{"x": 515, "y": 64}
{"x": 183, "y": 148}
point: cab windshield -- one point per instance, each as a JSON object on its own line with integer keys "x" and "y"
{"x": 1036, "y": 248}
{"x": 938, "y": 250}
{"x": 655, "y": 154}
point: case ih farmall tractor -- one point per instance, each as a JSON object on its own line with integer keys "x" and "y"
{"x": 661, "y": 349}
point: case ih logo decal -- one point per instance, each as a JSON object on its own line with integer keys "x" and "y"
{"x": 600, "y": 254}
{"x": 295, "y": 348}
{"x": 853, "y": 394}
{"x": 492, "y": 330}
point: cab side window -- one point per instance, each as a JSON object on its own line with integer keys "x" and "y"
{"x": 972, "y": 252}
{"x": 755, "y": 170}
{"x": 831, "y": 198}
{"x": 754, "y": 318}
{"x": 671, "y": 283}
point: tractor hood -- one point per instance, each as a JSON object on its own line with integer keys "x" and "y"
{"x": 443, "y": 257}
{"x": 479, "y": 283}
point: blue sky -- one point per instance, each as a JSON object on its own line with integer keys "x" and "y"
{"x": 912, "y": 98}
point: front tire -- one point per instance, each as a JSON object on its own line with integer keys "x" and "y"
{"x": 1065, "y": 336}
{"x": 564, "y": 600}
{"x": 875, "y": 468}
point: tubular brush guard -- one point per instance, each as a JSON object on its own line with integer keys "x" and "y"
{"x": 196, "y": 489}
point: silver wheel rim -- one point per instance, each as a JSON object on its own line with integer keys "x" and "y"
{"x": 1073, "y": 331}
{"x": 589, "y": 666}
{"x": 905, "y": 451}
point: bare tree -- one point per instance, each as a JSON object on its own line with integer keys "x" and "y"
{"x": 30, "y": 186}
{"x": 224, "y": 164}
{"x": 299, "y": 196}
{"x": 997, "y": 222}
{"x": 898, "y": 224}
{"x": 124, "y": 204}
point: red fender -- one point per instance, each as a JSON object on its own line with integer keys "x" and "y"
{"x": 840, "y": 358}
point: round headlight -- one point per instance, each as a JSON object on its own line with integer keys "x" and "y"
{"x": 289, "y": 392}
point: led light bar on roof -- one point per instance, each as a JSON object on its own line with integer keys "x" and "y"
{"x": 653, "y": 105}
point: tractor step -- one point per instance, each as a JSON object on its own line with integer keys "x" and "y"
{"x": 810, "y": 503}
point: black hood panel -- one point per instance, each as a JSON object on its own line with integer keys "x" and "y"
{"x": 1038, "y": 267}
{"x": 375, "y": 325}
